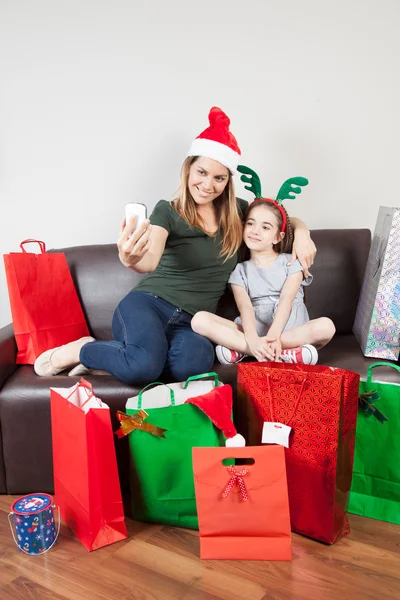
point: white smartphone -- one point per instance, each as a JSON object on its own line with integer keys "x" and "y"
{"x": 135, "y": 209}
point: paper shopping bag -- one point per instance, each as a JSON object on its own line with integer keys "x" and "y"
{"x": 161, "y": 441}
{"x": 375, "y": 488}
{"x": 244, "y": 509}
{"x": 320, "y": 405}
{"x": 45, "y": 307}
{"x": 86, "y": 482}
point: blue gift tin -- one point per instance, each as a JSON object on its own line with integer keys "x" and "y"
{"x": 34, "y": 522}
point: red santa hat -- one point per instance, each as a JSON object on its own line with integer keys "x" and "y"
{"x": 217, "y": 405}
{"x": 217, "y": 142}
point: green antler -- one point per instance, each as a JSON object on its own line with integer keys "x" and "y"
{"x": 290, "y": 188}
{"x": 254, "y": 180}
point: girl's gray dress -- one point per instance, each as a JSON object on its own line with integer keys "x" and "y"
{"x": 264, "y": 286}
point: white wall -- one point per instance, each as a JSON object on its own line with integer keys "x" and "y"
{"x": 100, "y": 100}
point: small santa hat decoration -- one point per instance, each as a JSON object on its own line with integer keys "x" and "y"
{"x": 217, "y": 142}
{"x": 217, "y": 405}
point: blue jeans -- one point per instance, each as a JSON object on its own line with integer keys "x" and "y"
{"x": 151, "y": 336}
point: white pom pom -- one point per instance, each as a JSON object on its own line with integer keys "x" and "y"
{"x": 237, "y": 441}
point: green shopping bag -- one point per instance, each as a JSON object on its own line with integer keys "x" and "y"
{"x": 162, "y": 484}
{"x": 375, "y": 488}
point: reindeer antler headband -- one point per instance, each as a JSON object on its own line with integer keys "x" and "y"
{"x": 288, "y": 190}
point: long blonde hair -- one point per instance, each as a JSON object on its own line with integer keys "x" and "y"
{"x": 230, "y": 222}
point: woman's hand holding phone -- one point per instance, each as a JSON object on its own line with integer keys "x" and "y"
{"x": 135, "y": 209}
{"x": 134, "y": 241}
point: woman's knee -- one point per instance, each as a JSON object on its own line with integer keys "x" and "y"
{"x": 133, "y": 376}
{"x": 183, "y": 371}
{"x": 199, "y": 358}
{"x": 143, "y": 365}
{"x": 205, "y": 356}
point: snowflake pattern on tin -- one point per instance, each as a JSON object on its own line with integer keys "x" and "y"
{"x": 34, "y": 531}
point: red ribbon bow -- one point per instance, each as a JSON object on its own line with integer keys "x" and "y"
{"x": 237, "y": 478}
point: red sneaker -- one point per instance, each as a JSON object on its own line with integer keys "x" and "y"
{"x": 306, "y": 355}
{"x": 227, "y": 356}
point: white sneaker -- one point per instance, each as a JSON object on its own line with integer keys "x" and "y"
{"x": 306, "y": 355}
{"x": 227, "y": 356}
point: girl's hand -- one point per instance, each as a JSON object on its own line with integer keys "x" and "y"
{"x": 132, "y": 249}
{"x": 274, "y": 349}
{"x": 259, "y": 348}
{"x": 303, "y": 249}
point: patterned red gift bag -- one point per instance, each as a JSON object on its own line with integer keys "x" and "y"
{"x": 320, "y": 405}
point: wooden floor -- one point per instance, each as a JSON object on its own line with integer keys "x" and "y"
{"x": 162, "y": 563}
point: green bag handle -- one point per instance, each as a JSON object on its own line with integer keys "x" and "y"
{"x": 171, "y": 393}
{"x": 203, "y": 376}
{"x": 379, "y": 364}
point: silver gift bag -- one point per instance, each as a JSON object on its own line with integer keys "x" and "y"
{"x": 377, "y": 322}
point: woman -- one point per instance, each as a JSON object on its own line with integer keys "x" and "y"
{"x": 188, "y": 248}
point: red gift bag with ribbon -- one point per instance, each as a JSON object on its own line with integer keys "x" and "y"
{"x": 243, "y": 510}
{"x": 86, "y": 481}
{"x": 312, "y": 409}
{"x": 45, "y": 307}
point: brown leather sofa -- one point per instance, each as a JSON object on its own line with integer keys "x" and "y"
{"x": 101, "y": 281}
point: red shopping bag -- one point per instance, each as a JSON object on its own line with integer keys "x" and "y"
{"x": 320, "y": 405}
{"x": 86, "y": 482}
{"x": 45, "y": 307}
{"x": 243, "y": 510}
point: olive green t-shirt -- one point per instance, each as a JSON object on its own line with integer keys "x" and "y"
{"x": 191, "y": 274}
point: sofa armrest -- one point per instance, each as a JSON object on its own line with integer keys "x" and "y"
{"x": 8, "y": 353}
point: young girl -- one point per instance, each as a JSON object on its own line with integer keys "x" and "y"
{"x": 268, "y": 289}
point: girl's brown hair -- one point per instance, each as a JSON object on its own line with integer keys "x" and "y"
{"x": 286, "y": 244}
{"x": 230, "y": 222}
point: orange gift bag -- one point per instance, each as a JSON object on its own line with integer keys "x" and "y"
{"x": 243, "y": 510}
